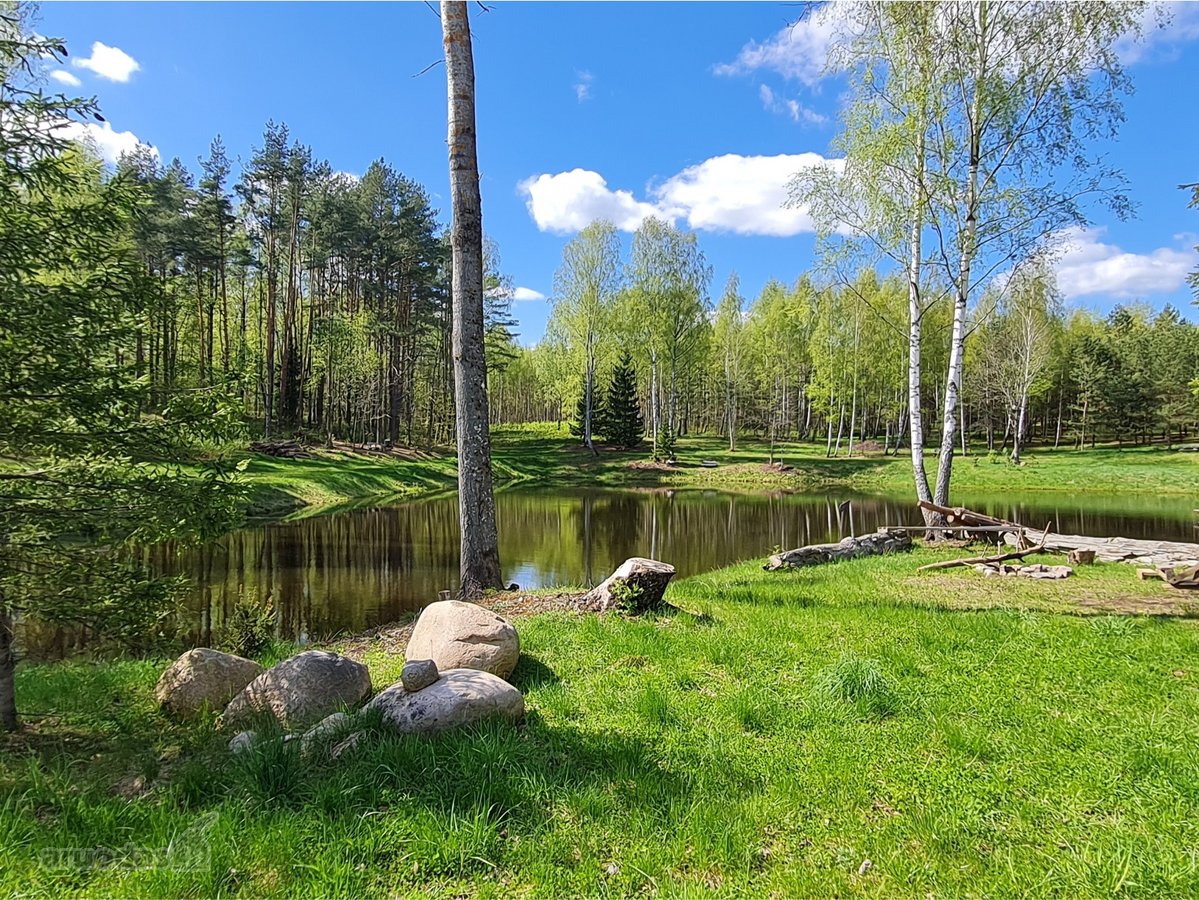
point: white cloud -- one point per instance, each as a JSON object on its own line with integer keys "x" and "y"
{"x": 741, "y": 194}
{"x": 799, "y": 51}
{"x": 793, "y": 108}
{"x": 1089, "y": 267}
{"x": 583, "y": 85}
{"x": 570, "y": 201}
{"x": 730, "y": 193}
{"x": 62, "y": 76}
{"x": 108, "y": 62}
{"x": 524, "y": 293}
{"x": 101, "y": 137}
{"x": 1164, "y": 26}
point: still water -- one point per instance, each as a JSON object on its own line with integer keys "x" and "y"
{"x": 356, "y": 569}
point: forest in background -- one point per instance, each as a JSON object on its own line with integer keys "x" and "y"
{"x": 319, "y": 302}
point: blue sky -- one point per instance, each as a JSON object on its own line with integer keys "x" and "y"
{"x": 587, "y": 110}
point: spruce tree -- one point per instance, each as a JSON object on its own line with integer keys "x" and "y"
{"x": 622, "y": 420}
{"x": 598, "y": 415}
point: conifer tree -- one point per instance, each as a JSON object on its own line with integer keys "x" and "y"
{"x": 623, "y": 424}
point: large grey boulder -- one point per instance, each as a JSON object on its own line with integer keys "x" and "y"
{"x": 459, "y": 697}
{"x": 302, "y": 690}
{"x": 203, "y": 679}
{"x": 458, "y": 635}
{"x": 636, "y": 586}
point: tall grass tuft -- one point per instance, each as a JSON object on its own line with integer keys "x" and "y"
{"x": 857, "y": 682}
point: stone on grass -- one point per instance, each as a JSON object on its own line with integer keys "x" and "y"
{"x": 203, "y": 679}
{"x": 636, "y": 586}
{"x": 242, "y": 741}
{"x": 418, "y": 674}
{"x": 347, "y": 745}
{"x": 459, "y": 635}
{"x": 459, "y": 697}
{"x": 323, "y": 730}
{"x": 302, "y": 690}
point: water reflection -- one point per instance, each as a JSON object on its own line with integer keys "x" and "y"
{"x": 361, "y": 568}
{"x": 353, "y": 570}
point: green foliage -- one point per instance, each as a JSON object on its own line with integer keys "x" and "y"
{"x": 249, "y": 627}
{"x": 96, "y": 464}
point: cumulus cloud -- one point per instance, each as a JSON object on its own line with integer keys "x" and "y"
{"x": 798, "y": 51}
{"x": 793, "y": 108}
{"x": 108, "y": 62}
{"x": 730, "y": 193}
{"x": 1088, "y": 267}
{"x": 101, "y": 137}
{"x": 524, "y": 293}
{"x": 570, "y": 201}
{"x": 583, "y": 85}
{"x": 62, "y": 76}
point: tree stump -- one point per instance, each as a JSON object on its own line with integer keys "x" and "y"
{"x": 1080, "y": 557}
{"x": 636, "y": 586}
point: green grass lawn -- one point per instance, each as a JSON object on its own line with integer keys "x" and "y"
{"x": 967, "y": 736}
{"x": 545, "y": 455}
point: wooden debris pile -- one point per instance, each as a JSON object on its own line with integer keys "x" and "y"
{"x": 1185, "y": 577}
{"x": 1036, "y": 570}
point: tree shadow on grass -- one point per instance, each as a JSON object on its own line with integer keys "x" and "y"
{"x": 531, "y": 673}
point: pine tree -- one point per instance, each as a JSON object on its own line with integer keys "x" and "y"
{"x": 622, "y": 422}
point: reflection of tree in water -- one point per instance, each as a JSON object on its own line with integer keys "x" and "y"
{"x": 360, "y": 568}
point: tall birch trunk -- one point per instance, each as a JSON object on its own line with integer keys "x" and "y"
{"x": 953, "y": 380}
{"x": 480, "y": 555}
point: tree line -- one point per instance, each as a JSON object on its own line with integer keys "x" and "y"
{"x": 829, "y": 363}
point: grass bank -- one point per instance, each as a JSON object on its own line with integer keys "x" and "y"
{"x": 544, "y": 455}
{"x": 852, "y": 729}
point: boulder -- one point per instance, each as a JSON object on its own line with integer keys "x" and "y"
{"x": 636, "y": 586}
{"x": 418, "y": 674}
{"x": 458, "y": 635}
{"x": 303, "y": 690}
{"x": 203, "y": 679}
{"x": 459, "y": 697}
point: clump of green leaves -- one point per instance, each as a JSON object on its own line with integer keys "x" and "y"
{"x": 249, "y": 627}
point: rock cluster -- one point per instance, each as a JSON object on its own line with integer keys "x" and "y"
{"x": 457, "y": 660}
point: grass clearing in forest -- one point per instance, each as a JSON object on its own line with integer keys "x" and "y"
{"x": 965, "y": 735}
{"x": 549, "y": 456}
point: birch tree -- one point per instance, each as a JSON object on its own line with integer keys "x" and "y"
{"x": 480, "y": 554}
{"x": 585, "y": 288}
{"x": 729, "y": 334}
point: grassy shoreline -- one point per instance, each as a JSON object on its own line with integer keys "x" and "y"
{"x": 543, "y": 455}
{"x": 966, "y": 735}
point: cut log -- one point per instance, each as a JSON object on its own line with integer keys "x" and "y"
{"x": 1182, "y": 577}
{"x": 636, "y": 586}
{"x": 882, "y": 541}
{"x": 709, "y": 463}
{"x": 959, "y": 515}
{"x": 1120, "y": 549}
{"x": 1080, "y": 557}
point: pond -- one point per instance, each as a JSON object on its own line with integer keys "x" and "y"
{"x": 355, "y": 569}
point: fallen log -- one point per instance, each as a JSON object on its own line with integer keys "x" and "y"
{"x": 1121, "y": 549}
{"x": 959, "y": 515}
{"x": 882, "y": 541}
{"x": 987, "y": 560}
{"x": 282, "y": 449}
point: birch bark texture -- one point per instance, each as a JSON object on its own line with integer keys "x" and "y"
{"x": 480, "y": 555}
